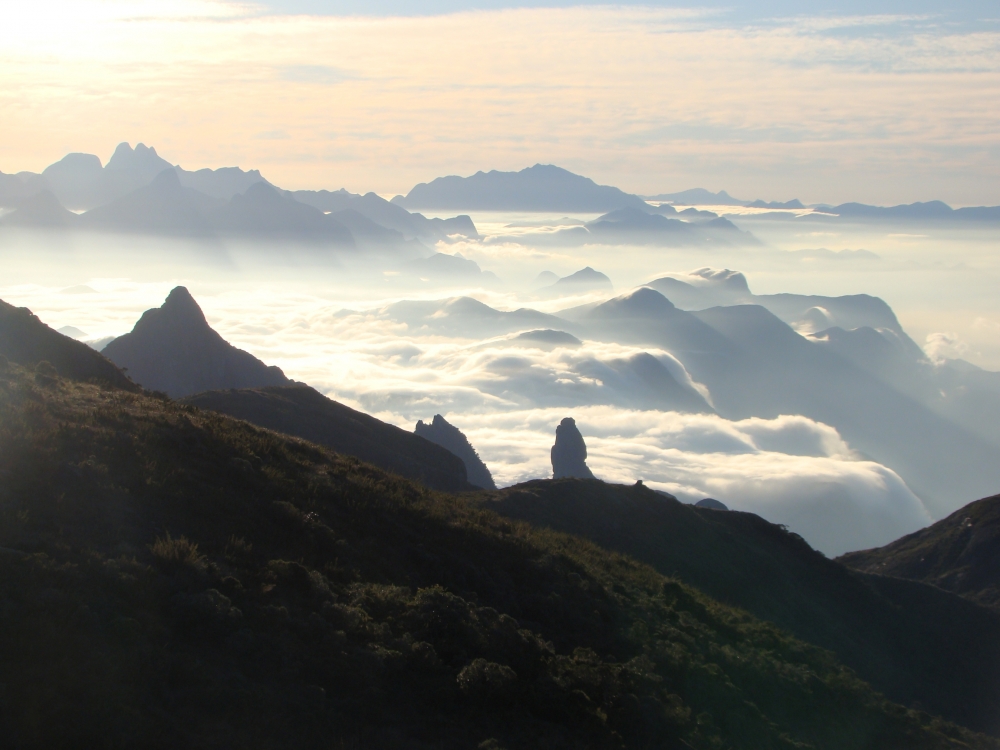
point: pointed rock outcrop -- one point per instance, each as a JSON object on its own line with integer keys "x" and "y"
{"x": 441, "y": 432}
{"x": 173, "y": 349}
{"x": 569, "y": 454}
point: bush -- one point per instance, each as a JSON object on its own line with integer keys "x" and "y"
{"x": 486, "y": 680}
{"x": 176, "y": 552}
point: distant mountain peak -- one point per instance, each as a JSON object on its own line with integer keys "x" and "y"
{"x": 639, "y": 302}
{"x": 181, "y": 302}
{"x": 542, "y": 187}
{"x": 142, "y": 160}
{"x": 173, "y": 349}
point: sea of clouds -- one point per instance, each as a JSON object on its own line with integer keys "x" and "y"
{"x": 508, "y": 398}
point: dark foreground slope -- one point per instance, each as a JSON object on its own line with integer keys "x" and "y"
{"x": 915, "y": 643}
{"x": 175, "y": 578}
{"x": 303, "y": 412}
{"x": 960, "y": 553}
{"x": 26, "y": 340}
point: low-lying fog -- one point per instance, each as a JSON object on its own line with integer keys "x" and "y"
{"x": 324, "y": 321}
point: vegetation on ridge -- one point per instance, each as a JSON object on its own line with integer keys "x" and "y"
{"x": 172, "y": 577}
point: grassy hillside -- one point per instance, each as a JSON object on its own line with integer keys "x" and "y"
{"x": 304, "y": 412}
{"x": 174, "y": 578}
{"x": 918, "y": 645}
{"x": 26, "y": 340}
{"x": 960, "y": 553}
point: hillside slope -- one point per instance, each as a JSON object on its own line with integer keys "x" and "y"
{"x": 26, "y": 340}
{"x": 916, "y": 644}
{"x": 960, "y": 553}
{"x": 175, "y": 578}
{"x": 303, "y": 412}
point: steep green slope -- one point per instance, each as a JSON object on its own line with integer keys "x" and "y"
{"x": 175, "y": 578}
{"x": 960, "y": 553}
{"x": 916, "y": 644}
{"x": 304, "y": 412}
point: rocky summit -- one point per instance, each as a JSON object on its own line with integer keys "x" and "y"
{"x": 173, "y": 349}
{"x": 569, "y": 454}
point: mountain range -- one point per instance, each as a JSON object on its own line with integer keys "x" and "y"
{"x": 867, "y": 379}
{"x": 139, "y": 192}
{"x": 81, "y": 183}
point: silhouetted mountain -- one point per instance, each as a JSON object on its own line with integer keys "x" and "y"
{"x": 708, "y": 287}
{"x": 80, "y": 182}
{"x": 16, "y": 187}
{"x": 173, "y": 349}
{"x": 645, "y": 225}
{"x": 76, "y": 180}
{"x": 367, "y": 232}
{"x": 711, "y": 503}
{"x": 172, "y": 577}
{"x": 26, "y": 340}
{"x": 163, "y": 207}
{"x": 931, "y": 211}
{"x": 303, "y": 412}
{"x": 41, "y": 210}
{"x": 222, "y": 183}
{"x": 698, "y": 197}
{"x": 960, "y": 553}
{"x": 264, "y": 213}
{"x": 913, "y": 642}
{"x": 569, "y": 453}
{"x": 465, "y": 316}
{"x": 442, "y": 433}
{"x": 548, "y": 337}
{"x": 755, "y": 365}
{"x": 586, "y": 279}
{"x": 389, "y": 215}
{"x": 538, "y": 188}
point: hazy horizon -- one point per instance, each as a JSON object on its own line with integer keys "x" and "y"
{"x": 815, "y": 104}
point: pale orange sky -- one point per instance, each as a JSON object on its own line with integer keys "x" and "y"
{"x": 649, "y": 100}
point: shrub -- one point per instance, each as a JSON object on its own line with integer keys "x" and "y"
{"x": 176, "y": 552}
{"x": 486, "y": 679}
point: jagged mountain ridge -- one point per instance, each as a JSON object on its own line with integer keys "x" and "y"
{"x": 441, "y": 432}
{"x": 139, "y": 192}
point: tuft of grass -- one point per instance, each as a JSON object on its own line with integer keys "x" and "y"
{"x": 178, "y": 552}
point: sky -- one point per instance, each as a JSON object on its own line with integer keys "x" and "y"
{"x": 880, "y": 102}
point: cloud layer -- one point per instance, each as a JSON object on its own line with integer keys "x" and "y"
{"x": 508, "y": 395}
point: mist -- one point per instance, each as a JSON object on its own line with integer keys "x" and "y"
{"x": 333, "y": 319}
